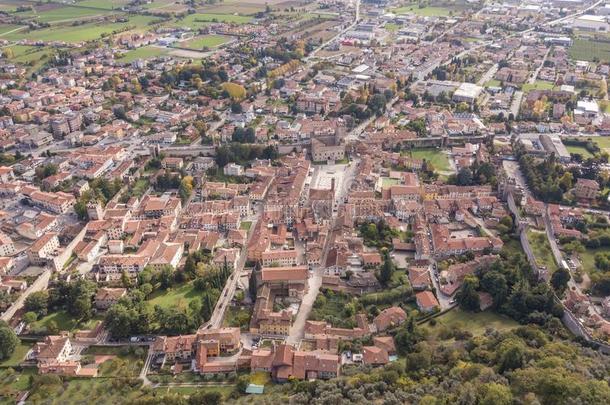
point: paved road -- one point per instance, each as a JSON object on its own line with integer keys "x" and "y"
{"x": 145, "y": 368}
{"x": 313, "y": 53}
{"x": 532, "y": 79}
{"x": 41, "y": 283}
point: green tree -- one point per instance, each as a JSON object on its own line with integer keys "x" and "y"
{"x": 559, "y": 279}
{"x": 495, "y": 394}
{"x": 37, "y": 302}
{"x": 8, "y": 341}
{"x": 467, "y": 297}
{"x": 387, "y": 269}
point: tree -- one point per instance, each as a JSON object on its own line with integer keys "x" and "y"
{"x": 8, "y": 341}
{"x": 464, "y": 177}
{"x": 29, "y": 317}
{"x": 560, "y": 279}
{"x": 495, "y": 283}
{"x": 495, "y": 394}
{"x": 387, "y": 269}
{"x": 467, "y": 297}
{"x": 234, "y": 90}
{"x": 205, "y": 398}
{"x": 37, "y": 302}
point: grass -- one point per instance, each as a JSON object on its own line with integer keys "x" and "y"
{"x": 329, "y": 307}
{"x": 391, "y": 27}
{"x": 179, "y": 296}
{"x": 590, "y": 50}
{"x": 103, "y": 4}
{"x": 205, "y": 41}
{"x": 579, "y": 150}
{"x": 12, "y": 382}
{"x": 437, "y": 157}
{"x": 65, "y": 13}
{"x": 260, "y": 378}
{"x": 63, "y": 320}
{"x": 542, "y": 249}
{"x": 493, "y": 83}
{"x": 424, "y": 12}
{"x": 145, "y": 52}
{"x": 602, "y": 141}
{"x": 237, "y": 317}
{"x": 199, "y": 20}
{"x": 474, "y": 322}
{"x": 18, "y": 355}
{"x": 4, "y": 28}
{"x": 85, "y": 32}
{"x": 587, "y": 259}
{"x": 387, "y": 182}
{"x": 537, "y": 85}
{"x": 245, "y": 225}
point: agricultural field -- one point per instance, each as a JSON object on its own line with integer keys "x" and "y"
{"x": 85, "y": 32}
{"x": 590, "y": 50}
{"x": 425, "y": 11}
{"x": 103, "y": 4}
{"x": 199, "y": 20}
{"x": 52, "y": 13}
{"x": 144, "y": 52}
{"x": 204, "y": 42}
{"x": 4, "y": 28}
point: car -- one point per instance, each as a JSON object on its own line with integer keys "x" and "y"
{"x": 452, "y": 301}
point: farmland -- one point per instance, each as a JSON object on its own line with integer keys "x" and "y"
{"x": 62, "y": 13}
{"x": 85, "y": 32}
{"x": 198, "y": 20}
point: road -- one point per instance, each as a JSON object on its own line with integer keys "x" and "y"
{"x": 41, "y": 283}
{"x": 229, "y": 290}
{"x": 487, "y": 76}
{"x": 144, "y": 371}
{"x": 532, "y": 79}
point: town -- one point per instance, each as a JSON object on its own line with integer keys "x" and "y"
{"x": 310, "y": 202}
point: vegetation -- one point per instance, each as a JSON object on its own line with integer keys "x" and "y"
{"x": 377, "y": 234}
{"x": 8, "y": 341}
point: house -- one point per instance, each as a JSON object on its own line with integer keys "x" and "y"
{"x": 389, "y": 317}
{"x": 426, "y": 301}
{"x": 106, "y": 297}
{"x": 586, "y": 189}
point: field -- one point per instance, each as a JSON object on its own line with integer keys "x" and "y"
{"x": 603, "y": 142}
{"x": 63, "y": 320}
{"x": 144, "y": 52}
{"x": 4, "y": 28}
{"x": 587, "y": 259}
{"x": 178, "y": 296}
{"x": 28, "y": 54}
{"x": 387, "y": 182}
{"x": 493, "y": 83}
{"x": 579, "y": 150}
{"x": 245, "y": 225}
{"x": 425, "y": 11}
{"x": 391, "y": 27}
{"x": 18, "y": 355}
{"x": 537, "y": 85}
{"x": 203, "y": 42}
{"x": 590, "y": 50}
{"x": 62, "y": 13}
{"x": 475, "y": 323}
{"x": 85, "y": 32}
{"x": 199, "y": 20}
{"x": 437, "y": 157}
{"x": 103, "y": 4}
{"x": 542, "y": 249}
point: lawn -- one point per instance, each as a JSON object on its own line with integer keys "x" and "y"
{"x": 13, "y": 381}
{"x": 26, "y": 54}
{"x": 18, "y": 355}
{"x": 474, "y": 322}
{"x": 63, "y": 320}
{"x": 103, "y": 4}
{"x": 542, "y": 249}
{"x": 4, "y": 28}
{"x": 85, "y": 32}
{"x": 245, "y": 225}
{"x": 387, "y": 182}
{"x": 493, "y": 83}
{"x": 237, "y": 317}
{"x": 260, "y": 378}
{"x": 579, "y": 150}
{"x": 329, "y": 306}
{"x": 179, "y": 296}
{"x": 205, "y": 41}
{"x": 144, "y": 52}
{"x": 590, "y": 50}
{"x": 587, "y": 259}
{"x": 537, "y": 85}
{"x": 391, "y": 27}
{"x": 602, "y": 141}
{"x": 437, "y": 157}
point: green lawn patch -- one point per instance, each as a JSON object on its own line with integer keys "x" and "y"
{"x": 64, "y": 13}
{"x": 179, "y": 296}
{"x": 203, "y": 42}
{"x": 437, "y": 157}
{"x": 260, "y": 378}
{"x": 391, "y": 27}
{"x": 542, "y": 249}
{"x": 145, "y": 52}
{"x": 587, "y": 259}
{"x": 493, "y": 83}
{"x": 237, "y": 317}
{"x": 103, "y": 4}
{"x": 474, "y": 322}
{"x": 387, "y": 182}
{"x": 602, "y": 141}
{"x": 63, "y": 320}
{"x": 425, "y": 11}
{"x": 18, "y": 355}
{"x": 245, "y": 225}
{"x": 579, "y": 150}
{"x": 199, "y": 20}
{"x": 590, "y": 50}
{"x": 4, "y": 28}
{"x": 537, "y": 85}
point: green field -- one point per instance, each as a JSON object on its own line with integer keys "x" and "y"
{"x": 63, "y": 320}
{"x": 199, "y": 20}
{"x": 26, "y": 54}
{"x": 493, "y": 83}
{"x": 537, "y": 85}
{"x": 602, "y": 141}
{"x": 145, "y": 52}
{"x": 64, "y": 13}
{"x": 475, "y": 323}
{"x": 590, "y": 50}
{"x": 205, "y": 41}
{"x": 4, "y": 28}
{"x": 579, "y": 150}
{"x": 18, "y": 355}
{"x": 391, "y": 27}
{"x": 425, "y": 11}
{"x": 587, "y": 259}
{"x": 178, "y": 296}
{"x": 245, "y": 225}
{"x": 104, "y": 4}
{"x": 85, "y": 32}
{"x": 542, "y": 249}
{"x": 387, "y": 182}
{"x": 437, "y": 157}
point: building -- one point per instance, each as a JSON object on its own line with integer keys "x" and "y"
{"x": 7, "y": 247}
{"x": 106, "y": 297}
{"x": 327, "y": 151}
{"x": 233, "y": 169}
{"x": 467, "y": 93}
{"x": 586, "y": 189}
{"x": 389, "y": 318}
{"x": 280, "y": 258}
{"x": 590, "y": 22}
{"x": 44, "y": 249}
{"x": 426, "y": 301}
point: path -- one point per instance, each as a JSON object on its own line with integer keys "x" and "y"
{"x": 41, "y": 283}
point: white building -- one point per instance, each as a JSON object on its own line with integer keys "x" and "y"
{"x": 590, "y": 22}
{"x": 467, "y": 92}
{"x": 233, "y": 169}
